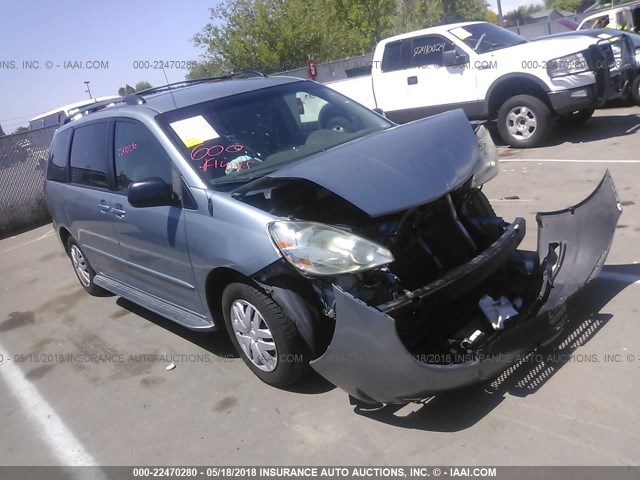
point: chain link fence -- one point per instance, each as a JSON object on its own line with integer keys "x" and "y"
{"x": 23, "y": 157}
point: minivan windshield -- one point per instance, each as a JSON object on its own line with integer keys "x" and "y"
{"x": 486, "y": 37}
{"x": 248, "y": 135}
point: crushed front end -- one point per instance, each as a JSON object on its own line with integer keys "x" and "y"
{"x": 476, "y": 317}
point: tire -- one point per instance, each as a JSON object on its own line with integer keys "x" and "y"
{"x": 83, "y": 270}
{"x": 524, "y": 121}
{"x": 576, "y": 118}
{"x": 340, "y": 124}
{"x": 635, "y": 90}
{"x": 285, "y": 359}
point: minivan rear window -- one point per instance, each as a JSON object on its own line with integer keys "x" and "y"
{"x": 57, "y": 168}
{"x": 89, "y": 155}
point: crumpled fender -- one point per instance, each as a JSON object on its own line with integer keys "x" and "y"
{"x": 367, "y": 359}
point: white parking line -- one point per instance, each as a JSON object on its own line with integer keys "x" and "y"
{"x": 67, "y": 449}
{"x": 562, "y": 160}
{"x": 48, "y": 234}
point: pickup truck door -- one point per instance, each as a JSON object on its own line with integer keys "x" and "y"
{"x": 430, "y": 86}
{"x": 389, "y": 78}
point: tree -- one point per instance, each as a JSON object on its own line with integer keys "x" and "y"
{"x": 142, "y": 85}
{"x": 20, "y": 130}
{"x": 2, "y": 134}
{"x": 126, "y": 90}
{"x": 522, "y": 15}
{"x": 417, "y": 14}
{"x": 276, "y": 35}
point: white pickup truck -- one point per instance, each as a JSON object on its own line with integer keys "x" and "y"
{"x": 489, "y": 72}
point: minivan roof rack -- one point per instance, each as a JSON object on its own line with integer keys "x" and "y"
{"x": 185, "y": 83}
{"x": 137, "y": 98}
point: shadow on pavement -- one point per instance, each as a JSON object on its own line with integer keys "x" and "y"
{"x": 219, "y": 344}
{"x": 461, "y": 409}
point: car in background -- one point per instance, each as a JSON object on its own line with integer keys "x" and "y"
{"x": 318, "y": 233}
{"x": 624, "y": 17}
{"x": 14, "y": 152}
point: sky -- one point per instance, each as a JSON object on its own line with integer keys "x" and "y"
{"x": 114, "y": 34}
{"x": 65, "y": 32}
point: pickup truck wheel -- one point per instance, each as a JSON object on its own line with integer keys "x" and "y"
{"x": 635, "y": 90}
{"x": 576, "y": 118}
{"x": 83, "y": 269}
{"x": 266, "y": 339}
{"x": 524, "y": 121}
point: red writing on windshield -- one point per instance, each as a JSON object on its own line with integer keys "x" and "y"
{"x": 204, "y": 153}
{"x": 127, "y": 149}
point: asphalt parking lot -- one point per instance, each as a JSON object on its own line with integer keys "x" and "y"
{"x": 576, "y": 407}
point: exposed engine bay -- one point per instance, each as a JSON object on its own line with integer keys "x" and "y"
{"x": 427, "y": 242}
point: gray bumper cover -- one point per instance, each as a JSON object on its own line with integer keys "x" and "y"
{"x": 367, "y": 359}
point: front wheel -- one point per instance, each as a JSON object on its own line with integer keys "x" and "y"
{"x": 635, "y": 90}
{"x": 524, "y": 121}
{"x": 266, "y": 339}
{"x": 576, "y": 118}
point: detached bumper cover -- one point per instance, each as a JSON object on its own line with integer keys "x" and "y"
{"x": 367, "y": 359}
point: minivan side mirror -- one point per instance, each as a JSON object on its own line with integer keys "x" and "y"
{"x": 451, "y": 58}
{"x": 150, "y": 192}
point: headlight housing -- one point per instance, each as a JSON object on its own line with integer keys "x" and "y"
{"x": 318, "y": 249}
{"x": 567, "y": 65}
{"x": 488, "y": 165}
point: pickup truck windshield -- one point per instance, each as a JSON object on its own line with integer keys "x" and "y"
{"x": 486, "y": 37}
{"x": 245, "y": 136}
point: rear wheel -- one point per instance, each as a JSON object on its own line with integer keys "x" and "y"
{"x": 83, "y": 269}
{"x": 576, "y": 118}
{"x": 266, "y": 339}
{"x": 524, "y": 121}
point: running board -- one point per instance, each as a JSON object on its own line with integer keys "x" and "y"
{"x": 173, "y": 312}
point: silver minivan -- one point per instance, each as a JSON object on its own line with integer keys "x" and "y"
{"x": 317, "y": 233}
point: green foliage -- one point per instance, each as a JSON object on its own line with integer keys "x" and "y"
{"x": 276, "y": 35}
{"x": 522, "y": 15}
{"x": 126, "y": 90}
{"x": 20, "y": 130}
{"x": 142, "y": 85}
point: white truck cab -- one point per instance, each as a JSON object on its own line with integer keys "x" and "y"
{"x": 489, "y": 72}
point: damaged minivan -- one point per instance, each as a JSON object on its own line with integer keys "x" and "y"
{"x": 317, "y": 233}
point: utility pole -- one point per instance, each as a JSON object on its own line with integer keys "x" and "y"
{"x": 499, "y": 12}
{"x": 88, "y": 90}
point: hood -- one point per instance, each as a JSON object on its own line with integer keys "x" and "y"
{"x": 545, "y": 48}
{"x": 393, "y": 170}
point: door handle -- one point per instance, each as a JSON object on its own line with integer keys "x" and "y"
{"x": 412, "y": 80}
{"x": 104, "y": 208}
{"x": 118, "y": 211}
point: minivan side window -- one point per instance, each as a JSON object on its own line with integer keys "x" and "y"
{"x": 89, "y": 155}
{"x": 57, "y": 167}
{"x": 138, "y": 155}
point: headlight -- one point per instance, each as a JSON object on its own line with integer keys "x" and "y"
{"x": 319, "y": 249}
{"x": 487, "y": 167}
{"x": 567, "y": 65}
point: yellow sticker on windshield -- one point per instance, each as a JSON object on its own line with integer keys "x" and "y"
{"x": 460, "y": 32}
{"x": 194, "y": 131}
